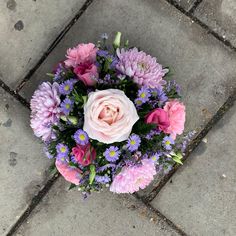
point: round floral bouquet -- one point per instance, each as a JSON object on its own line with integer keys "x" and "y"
{"x": 109, "y": 118}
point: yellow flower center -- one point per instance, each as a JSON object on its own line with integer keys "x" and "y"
{"x": 63, "y": 149}
{"x": 132, "y": 142}
{"x": 167, "y": 142}
{"x": 142, "y": 95}
{"x": 112, "y": 153}
{"x": 67, "y": 106}
{"x": 82, "y": 137}
{"x": 67, "y": 87}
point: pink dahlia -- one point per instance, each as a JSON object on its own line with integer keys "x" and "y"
{"x": 143, "y": 68}
{"x": 131, "y": 179}
{"x": 45, "y": 110}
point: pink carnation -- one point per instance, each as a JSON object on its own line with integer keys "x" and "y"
{"x": 45, "y": 110}
{"x": 71, "y": 174}
{"x": 131, "y": 179}
{"x": 87, "y": 73}
{"x": 83, "y": 53}
{"x": 143, "y": 68}
{"x": 176, "y": 113}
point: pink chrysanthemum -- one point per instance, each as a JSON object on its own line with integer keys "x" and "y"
{"x": 143, "y": 68}
{"x": 45, "y": 110}
{"x": 131, "y": 179}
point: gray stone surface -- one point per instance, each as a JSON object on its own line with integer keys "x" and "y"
{"x": 201, "y": 198}
{"x": 220, "y": 16}
{"x": 186, "y": 4}
{"x": 22, "y": 162}
{"x": 202, "y": 65}
{"x": 27, "y": 30}
{"x": 66, "y": 213}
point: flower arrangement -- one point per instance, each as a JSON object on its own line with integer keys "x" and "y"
{"x": 110, "y": 117}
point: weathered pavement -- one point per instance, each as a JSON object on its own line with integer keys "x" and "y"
{"x": 196, "y": 40}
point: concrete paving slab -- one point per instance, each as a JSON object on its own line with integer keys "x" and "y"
{"x": 186, "y": 4}
{"x": 22, "y": 162}
{"x": 219, "y": 16}
{"x": 66, "y": 213}
{"x": 27, "y": 30}
{"x": 203, "y": 66}
{"x": 202, "y": 194}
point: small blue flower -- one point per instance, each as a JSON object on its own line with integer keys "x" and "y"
{"x": 66, "y": 87}
{"x": 112, "y": 153}
{"x": 144, "y": 94}
{"x": 133, "y": 142}
{"x": 138, "y": 102}
{"x": 167, "y": 142}
{"x": 102, "y": 53}
{"x": 67, "y": 106}
{"x": 155, "y": 156}
{"x": 62, "y": 152}
{"x": 102, "y": 179}
{"x": 81, "y": 137}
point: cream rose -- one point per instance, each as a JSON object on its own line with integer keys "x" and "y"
{"x": 109, "y": 116}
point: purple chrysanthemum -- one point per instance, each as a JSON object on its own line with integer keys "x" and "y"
{"x": 167, "y": 142}
{"x": 66, "y": 87}
{"x": 62, "y": 151}
{"x": 112, "y": 153}
{"x": 81, "y": 137}
{"x": 144, "y": 94}
{"x": 143, "y": 68}
{"x": 133, "y": 142}
{"x": 66, "y": 106}
{"x": 45, "y": 110}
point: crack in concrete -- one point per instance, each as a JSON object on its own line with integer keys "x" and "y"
{"x": 194, "y": 7}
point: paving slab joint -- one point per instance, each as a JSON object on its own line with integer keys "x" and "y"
{"x": 218, "y": 115}
{"x": 54, "y": 44}
{"x": 14, "y": 94}
{"x": 203, "y": 25}
{"x": 194, "y": 7}
{"x": 34, "y": 202}
{"x": 161, "y": 216}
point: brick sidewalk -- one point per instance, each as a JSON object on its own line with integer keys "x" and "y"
{"x": 196, "y": 40}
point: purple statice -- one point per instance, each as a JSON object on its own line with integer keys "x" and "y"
{"x": 58, "y": 74}
{"x": 133, "y": 142}
{"x": 67, "y": 106}
{"x": 167, "y": 142}
{"x": 172, "y": 85}
{"x": 112, "y": 154}
{"x": 105, "y": 167}
{"x": 81, "y": 137}
{"x": 47, "y": 153}
{"x": 152, "y": 133}
{"x": 186, "y": 140}
{"x": 102, "y": 53}
{"x": 102, "y": 179}
{"x": 66, "y": 87}
{"x": 62, "y": 151}
{"x": 73, "y": 159}
{"x": 144, "y": 94}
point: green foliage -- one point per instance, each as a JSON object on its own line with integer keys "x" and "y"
{"x": 92, "y": 174}
{"x": 141, "y": 127}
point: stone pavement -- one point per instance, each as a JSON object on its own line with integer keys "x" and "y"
{"x": 194, "y": 38}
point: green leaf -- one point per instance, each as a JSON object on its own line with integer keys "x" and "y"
{"x": 72, "y": 186}
{"x": 177, "y": 160}
{"x": 92, "y": 174}
{"x": 50, "y": 74}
